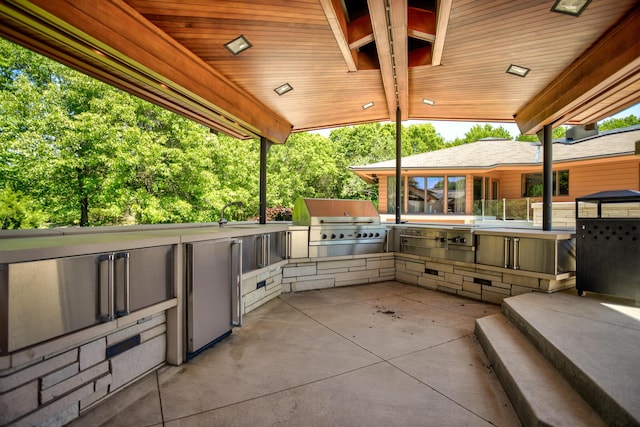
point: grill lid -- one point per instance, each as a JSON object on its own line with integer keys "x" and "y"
{"x": 334, "y": 211}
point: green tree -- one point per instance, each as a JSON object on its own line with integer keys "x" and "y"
{"x": 89, "y": 154}
{"x": 619, "y": 123}
{"x": 421, "y": 138}
{"x": 17, "y": 211}
{"x": 305, "y": 166}
{"x": 478, "y": 132}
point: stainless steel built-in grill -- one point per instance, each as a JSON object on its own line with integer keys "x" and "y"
{"x": 453, "y": 243}
{"x": 340, "y": 227}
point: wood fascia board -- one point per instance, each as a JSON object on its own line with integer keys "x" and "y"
{"x": 444, "y": 11}
{"x": 121, "y": 33}
{"x": 614, "y": 58}
{"x": 146, "y": 89}
{"x": 399, "y": 18}
{"x": 338, "y": 24}
{"x": 111, "y": 77}
{"x": 611, "y": 109}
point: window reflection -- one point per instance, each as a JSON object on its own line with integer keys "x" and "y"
{"x": 430, "y": 195}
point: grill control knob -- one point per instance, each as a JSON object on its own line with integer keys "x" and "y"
{"x": 341, "y": 236}
{"x": 324, "y": 236}
{"x": 377, "y": 234}
{"x": 333, "y": 236}
{"x": 463, "y": 240}
{"x": 359, "y": 234}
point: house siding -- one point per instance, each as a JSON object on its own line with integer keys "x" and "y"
{"x": 585, "y": 177}
{"x": 594, "y": 177}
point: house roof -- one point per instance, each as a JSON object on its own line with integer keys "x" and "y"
{"x": 340, "y": 55}
{"x": 488, "y": 154}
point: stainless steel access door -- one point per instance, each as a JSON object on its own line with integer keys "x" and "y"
{"x": 212, "y": 289}
{"x": 40, "y": 300}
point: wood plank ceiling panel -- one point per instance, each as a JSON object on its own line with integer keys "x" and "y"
{"x": 182, "y": 42}
{"x": 292, "y": 43}
{"x": 482, "y": 41}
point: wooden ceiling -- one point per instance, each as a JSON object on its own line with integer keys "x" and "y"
{"x": 339, "y": 55}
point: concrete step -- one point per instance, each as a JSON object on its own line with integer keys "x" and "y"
{"x": 538, "y": 393}
{"x": 593, "y": 342}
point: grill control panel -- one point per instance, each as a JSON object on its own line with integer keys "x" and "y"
{"x": 349, "y": 234}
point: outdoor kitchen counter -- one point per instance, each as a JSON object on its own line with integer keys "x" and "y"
{"x": 32, "y": 245}
{"x": 532, "y": 233}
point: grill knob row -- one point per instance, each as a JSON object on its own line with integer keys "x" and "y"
{"x": 341, "y": 236}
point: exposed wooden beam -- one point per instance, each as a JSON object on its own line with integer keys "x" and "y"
{"x": 393, "y": 58}
{"x": 612, "y": 62}
{"x": 421, "y": 24}
{"x": 360, "y": 32}
{"x": 338, "y": 24}
{"x": 127, "y": 39}
{"x": 444, "y": 11}
{"x": 398, "y": 12}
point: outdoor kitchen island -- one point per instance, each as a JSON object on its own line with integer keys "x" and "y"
{"x": 68, "y": 342}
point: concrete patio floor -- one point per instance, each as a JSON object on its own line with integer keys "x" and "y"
{"x": 384, "y": 354}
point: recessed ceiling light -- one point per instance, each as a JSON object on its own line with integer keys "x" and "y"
{"x": 517, "y": 70}
{"x": 368, "y": 105}
{"x": 238, "y": 45}
{"x": 428, "y": 102}
{"x": 282, "y": 89}
{"x": 570, "y": 7}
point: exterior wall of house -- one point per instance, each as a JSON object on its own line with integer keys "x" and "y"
{"x": 585, "y": 177}
{"x": 382, "y": 194}
{"x": 591, "y": 177}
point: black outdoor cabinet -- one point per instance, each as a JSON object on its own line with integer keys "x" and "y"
{"x": 608, "y": 243}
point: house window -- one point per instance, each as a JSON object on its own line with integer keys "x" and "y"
{"x": 435, "y": 194}
{"x": 417, "y": 194}
{"x": 430, "y": 195}
{"x": 456, "y": 194}
{"x": 532, "y": 184}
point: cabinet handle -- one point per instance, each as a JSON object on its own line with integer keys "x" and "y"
{"x": 507, "y": 244}
{"x": 236, "y": 283}
{"x": 267, "y": 250}
{"x": 125, "y": 288}
{"x": 516, "y": 253}
{"x": 287, "y": 244}
{"x": 106, "y": 287}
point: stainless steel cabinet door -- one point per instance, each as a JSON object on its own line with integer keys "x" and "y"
{"x": 208, "y": 291}
{"x": 45, "y": 299}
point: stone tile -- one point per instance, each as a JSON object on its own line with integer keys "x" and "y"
{"x": 377, "y": 395}
{"x": 83, "y": 377}
{"x": 460, "y": 371}
{"x": 18, "y": 402}
{"x": 92, "y": 353}
{"x": 32, "y": 372}
{"x": 58, "y": 376}
{"x": 137, "y": 361}
{"x": 59, "y": 411}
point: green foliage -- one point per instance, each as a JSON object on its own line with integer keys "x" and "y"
{"x": 478, "y": 132}
{"x": 623, "y": 122}
{"x": 527, "y": 138}
{"x": 18, "y": 211}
